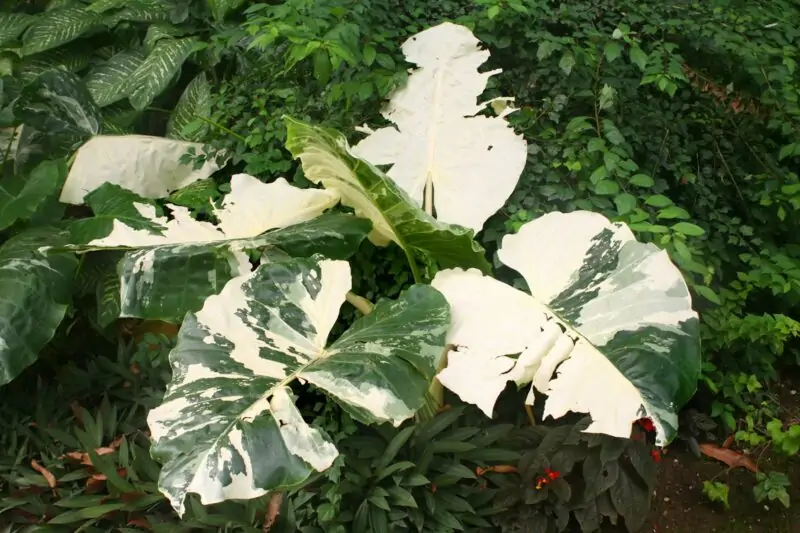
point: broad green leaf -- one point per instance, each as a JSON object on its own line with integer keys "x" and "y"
{"x": 228, "y": 427}
{"x": 71, "y": 58}
{"x": 23, "y": 195}
{"x": 610, "y": 315}
{"x": 101, "y": 6}
{"x": 438, "y": 139}
{"x": 625, "y": 203}
{"x": 12, "y": 25}
{"x": 194, "y": 102}
{"x": 58, "y": 103}
{"x": 687, "y": 228}
{"x": 638, "y": 57}
{"x": 642, "y": 180}
{"x": 36, "y": 291}
{"x": 148, "y": 166}
{"x": 220, "y": 8}
{"x": 327, "y": 159}
{"x": 140, "y": 11}
{"x": 158, "y": 69}
{"x": 174, "y": 265}
{"x": 57, "y": 27}
{"x": 196, "y": 195}
{"x": 111, "y": 81}
{"x": 158, "y": 31}
{"x": 612, "y": 50}
{"x": 673, "y": 211}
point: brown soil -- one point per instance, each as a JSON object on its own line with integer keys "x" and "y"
{"x": 679, "y": 505}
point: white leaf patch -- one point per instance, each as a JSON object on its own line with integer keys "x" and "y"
{"x": 472, "y": 162}
{"x": 148, "y": 166}
{"x": 611, "y": 316}
{"x": 250, "y": 209}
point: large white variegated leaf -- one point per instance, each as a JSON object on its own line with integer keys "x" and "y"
{"x": 438, "y": 141}
{"x": 174, "y": 264}
{"x": 611, "y": 316}
{"x": 228, "y": 427}
{"x": 148, "y": 166}
{"x": 327, "y": 159}
{"x": 12, "y": 25}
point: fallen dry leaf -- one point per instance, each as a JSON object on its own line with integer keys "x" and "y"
{"x": 141, "y": 523}
{"x": 51, "y": 479}
{"x": 500, "y": 469}
{"x": 273, "y": 510}
{"x": 731, "y": 458}
{"x": 84, "y": 458}
{"x": 728, "y": 442}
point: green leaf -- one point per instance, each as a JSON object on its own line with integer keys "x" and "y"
{"x": 23, "y": 195}
{"x": 327, "y": 159}
{"x": 228, "y": 407}
{"x": 221, "y": 8}
{"x": 56, "y": 28}
{"x": 612, "y": 50}
{"x": 194, "y": 102}
{"x": 158, "y": 70}
{"x": 687, "y": 228}
{"x": 638, "y": 57}
{"x": 81, "y": 515}
{"x": 658, "y": 200}
{"x": 566, "y": 63}
{"x": 789, "y": 150}
{"x": 642, "y": 180}
{"x": 393, "y": 448}
{"x": 708, "y": 294}
{"x": 58, "y": 103}
{"x": 606, "y": 187}
{"x": 625, "y": 203}
{"x": 369, "y": 54}
{"x": 36, "y": 291}
{"x": 112, "y": 81}
{"x": 674, "y": 211}
{"x": 493, "y": 11}
{"x": 546, "y": 49}
{"x": 111, "y": 203}
{"x": 12, "y": 25}
{"x": 600, "y": 173}
{"x": 197, "y": 195}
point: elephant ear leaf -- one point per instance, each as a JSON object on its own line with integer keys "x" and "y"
{"x": 36, "y": 290}
{"x": 172, "y": 265}
{"x": 228, "y": 427}
{"x": 612, "y": 317}
{"x": 327, "y": 159}
{"x": 468, "y": 164}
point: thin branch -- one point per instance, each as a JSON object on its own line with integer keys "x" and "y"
{"x": 363, "y": 305}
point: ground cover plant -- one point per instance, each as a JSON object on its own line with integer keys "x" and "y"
{"x": 393, "y": 268}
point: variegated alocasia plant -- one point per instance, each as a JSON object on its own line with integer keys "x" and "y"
{"x": 173, "y": 265}
{"x": 228, "y": 427}
{"x": 611, "y": 316}
{"x": 445, "y": 155}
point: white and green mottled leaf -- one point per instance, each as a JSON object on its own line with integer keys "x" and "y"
{"x": 140, "y": 11}
{"x": 327, "y": 159}
{"x": 12, "y": 25}
{"x": 148, "y": 166}
{"x": 438, "y": 140}
{"x": 228, "y": 427}
{"x": 36, "y": 291}
{"x": 158, "y": 69}
{"x": 101, "y": 6}
{"x": 158, "y": 31}
{"x": 194, "y": 102}
{"x": 173, "y": 265}
{"x": 56, "y": 28}
{"x": 56, "y": 102}
{"x": 71, "y": 58}
{"x": 112, "y": 81}
{"x": 611, "y": 316}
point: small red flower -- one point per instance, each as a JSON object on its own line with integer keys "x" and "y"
{"x": 646, "y": 424}
{"x": 433, "y": 488}
{"x": 552, "y": 474}
{"x": 656, "y": 455}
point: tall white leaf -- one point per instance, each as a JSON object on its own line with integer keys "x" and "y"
{"x": 438, "y": 140}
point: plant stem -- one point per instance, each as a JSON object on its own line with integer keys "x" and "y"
{"x": 413, "y": 264}
{"x": 428, "y": 203}
{"x": 359, "y": 302}
{"x": 223, "y": 128}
